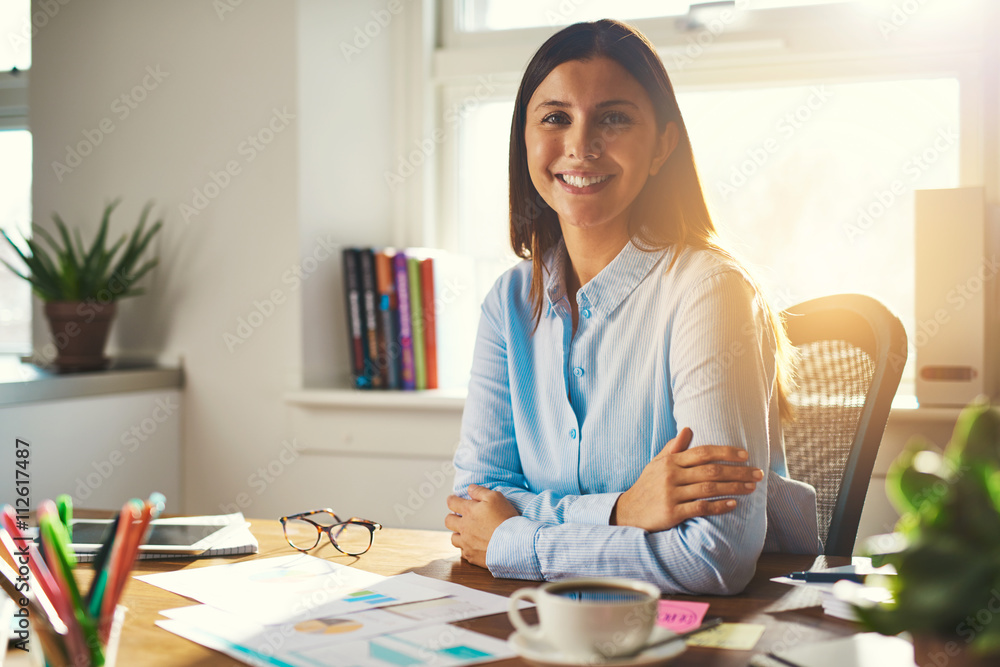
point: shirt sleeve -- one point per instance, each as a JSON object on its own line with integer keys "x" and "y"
{"x": 487, "y": 453}
{"x": 721, "y": 356}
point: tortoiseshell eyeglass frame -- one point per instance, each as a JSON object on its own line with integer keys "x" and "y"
{"x": 339, "y": 524}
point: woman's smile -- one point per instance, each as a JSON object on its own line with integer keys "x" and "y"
{"x": 583, "y": 183}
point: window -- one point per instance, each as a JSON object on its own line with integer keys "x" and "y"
{"x": 486, "y": 15}
{"x": 15, "y": 216}
{"x": 810, "y": 133}
{"x": 15, "y": 171}
{"x": 813, "y": 185}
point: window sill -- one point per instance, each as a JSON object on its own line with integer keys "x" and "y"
{"x": 904, "y": 407}
{"x": 430, "y": 399}
{"x": 22, "y": 383}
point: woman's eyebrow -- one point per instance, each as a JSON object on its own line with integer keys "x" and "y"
{"x": 601, "y": 105}
{"x": 616, "y": 103}
{"x": 553, "y": 103}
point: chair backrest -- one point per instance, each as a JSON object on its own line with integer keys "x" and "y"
{"x": 851, "y": 355}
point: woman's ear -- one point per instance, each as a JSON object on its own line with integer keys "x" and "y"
{"x": 665, "y": 145}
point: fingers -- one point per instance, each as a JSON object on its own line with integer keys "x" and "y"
{"x": 709, "y": 453}
{"x": 453, "y": 522}
{"x": 716, "y": 472}
{"x": 477, "y": 492}
{"x": 698, "y": 508}
{"x": 677, "y": 444}
{"x": 703, "y": 490}
{"x": 459, "y": 505}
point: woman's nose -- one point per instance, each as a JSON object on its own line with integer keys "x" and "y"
{"x": 583, "y": 142}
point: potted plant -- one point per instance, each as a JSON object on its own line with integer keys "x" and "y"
{"x": 81, "y": 286}
{"x": 947, "y": 553}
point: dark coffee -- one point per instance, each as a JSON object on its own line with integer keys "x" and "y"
{"x": 599, "y": 594}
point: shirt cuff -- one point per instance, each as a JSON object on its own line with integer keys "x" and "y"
{"x": 592, "y": 508}
{"x": 511, "y": 551}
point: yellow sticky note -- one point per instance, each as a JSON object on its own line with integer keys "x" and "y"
{"x": 732, "y": 636}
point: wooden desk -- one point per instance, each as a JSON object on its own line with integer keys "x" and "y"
{"x": 430, "y": 553}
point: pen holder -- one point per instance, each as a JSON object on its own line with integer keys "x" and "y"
{"x": 49, "y": 648}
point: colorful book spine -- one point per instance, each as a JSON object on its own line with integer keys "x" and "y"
{"x": 371, "y": 319}
{"x": 352, "y": 289}
{"x": 417, "y": 317}
{"x": 430, "y": 323}
{"x": 388, "y": 309}
{"x": 407, "y": 370}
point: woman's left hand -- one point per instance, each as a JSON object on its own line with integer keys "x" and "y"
{"x": 474, "y": 521}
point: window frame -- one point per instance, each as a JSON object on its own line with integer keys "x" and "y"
{"x": 14, "y": 100}
{"x": 781, "y": 46}
{"x": 14, "y": 116}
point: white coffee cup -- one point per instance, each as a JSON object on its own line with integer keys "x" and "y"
{"x": 589, "y": 618}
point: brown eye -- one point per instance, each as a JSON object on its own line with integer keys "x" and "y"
{"x": 617, "y": 118}
{"x": 555, "y": 119}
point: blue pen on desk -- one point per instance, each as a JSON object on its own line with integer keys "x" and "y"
{"x": 827, "y": 577}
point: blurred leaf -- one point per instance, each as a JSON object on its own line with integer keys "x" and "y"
{"x": 908, "y": 485}
{"x": 976, "y": 438}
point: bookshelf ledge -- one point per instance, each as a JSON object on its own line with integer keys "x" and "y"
{"x": 430, "y": 399}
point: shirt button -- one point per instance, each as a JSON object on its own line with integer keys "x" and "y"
{"x": 572, "y": 434}
{"x": 578, "y": 371}
{"x": 585, "y": 312}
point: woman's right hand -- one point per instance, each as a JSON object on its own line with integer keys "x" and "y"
{"x": 676, "y": 484}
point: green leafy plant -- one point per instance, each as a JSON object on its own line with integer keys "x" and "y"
{"x": 75, "y": 273}
{"x": 947, "y": 555}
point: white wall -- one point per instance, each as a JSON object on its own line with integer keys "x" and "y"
{"x": 222, "y": 78}
{"x": 319, "y": 183}
{"x": 347, "y": 135}
{"x": 102, "y": 450}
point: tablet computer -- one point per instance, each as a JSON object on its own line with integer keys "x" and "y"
{"x": 171, "y": 538}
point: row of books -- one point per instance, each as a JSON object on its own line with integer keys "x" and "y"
{"x": 408, "y": 313}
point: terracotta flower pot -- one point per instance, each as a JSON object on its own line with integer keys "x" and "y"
{"x": 80, "y": 332}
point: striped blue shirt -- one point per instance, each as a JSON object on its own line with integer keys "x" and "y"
{"x": 563, "y": 423}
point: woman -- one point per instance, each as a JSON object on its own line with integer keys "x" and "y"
{"x": 628, "y": 380}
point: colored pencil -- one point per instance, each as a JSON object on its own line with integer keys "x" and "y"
{"x": 41, "y": 588}
{"x": 62, "y": 574}
{"x": 72, "y": 628}
{"x": 130, "y": 514}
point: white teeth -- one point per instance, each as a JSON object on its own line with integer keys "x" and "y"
{"x": 583, "y": 181}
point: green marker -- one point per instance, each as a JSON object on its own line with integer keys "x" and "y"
{"x": 64, "y": 504}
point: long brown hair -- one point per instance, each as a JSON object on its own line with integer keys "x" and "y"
{"x": 672, "y": 197}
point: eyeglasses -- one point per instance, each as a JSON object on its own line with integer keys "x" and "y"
{"x": 352, "y": 537}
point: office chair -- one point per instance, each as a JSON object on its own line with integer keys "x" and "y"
{"x": 851, "y": 356}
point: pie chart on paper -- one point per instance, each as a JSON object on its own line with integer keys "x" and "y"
{"x": 328, "y": 626}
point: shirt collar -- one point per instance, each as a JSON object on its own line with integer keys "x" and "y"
{"x": 605, "y": 291}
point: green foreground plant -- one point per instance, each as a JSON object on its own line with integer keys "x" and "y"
{"x": 80, "y": 274}
{"x": 948, "y": 559}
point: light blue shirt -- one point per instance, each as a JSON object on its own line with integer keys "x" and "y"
{"x": 563, "y": 423}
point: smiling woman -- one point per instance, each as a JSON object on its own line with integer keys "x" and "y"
{"x": 624, "y": 411}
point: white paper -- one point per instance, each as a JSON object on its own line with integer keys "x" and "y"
{"x": 294, "y": 636}
{"x": 288, "y": 588}
{"x": 332, "y": 628}
{"x": 430, "y": 646}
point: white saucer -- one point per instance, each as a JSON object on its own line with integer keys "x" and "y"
{"x": 541, "y": 652}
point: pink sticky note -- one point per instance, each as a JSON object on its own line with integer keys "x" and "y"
{"x": 680, "y": 616}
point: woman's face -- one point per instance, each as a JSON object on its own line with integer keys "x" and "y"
{"x": 592, "y": 142}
